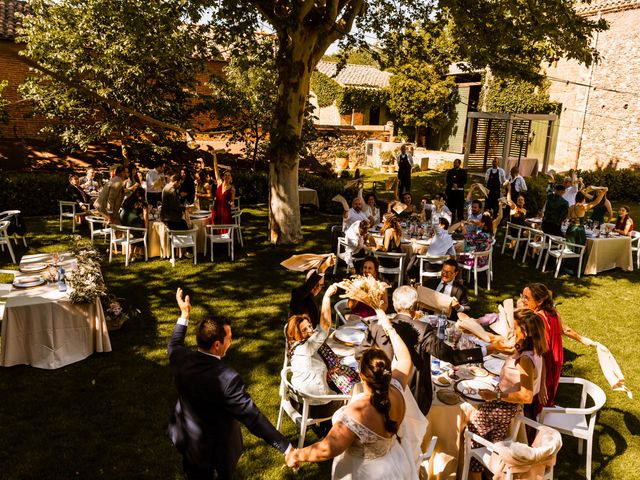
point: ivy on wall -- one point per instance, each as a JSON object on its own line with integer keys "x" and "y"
{"x": 360, "y": 98}
{"x": 512, "y": 95}
{"x": 327, "y": 90}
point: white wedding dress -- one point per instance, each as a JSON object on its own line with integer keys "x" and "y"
{"x": 372, "y": 457}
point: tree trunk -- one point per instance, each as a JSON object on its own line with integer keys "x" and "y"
{"x": 294, "y": 63}
{"x": 255, "y": 147}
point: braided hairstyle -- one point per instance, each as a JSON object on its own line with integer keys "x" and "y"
{"x": 375, "y": 370}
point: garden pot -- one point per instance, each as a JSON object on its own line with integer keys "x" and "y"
{"x": 342, "y": 162}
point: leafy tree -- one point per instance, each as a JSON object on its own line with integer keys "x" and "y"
{"x": 244, "y": 99}
{"x": 513, "y": 95}
{"x": 356, "y": 56}
{"x": 4, "y": 115}
{"x": 124, "y": 70}
{"x": 510, "y": 36}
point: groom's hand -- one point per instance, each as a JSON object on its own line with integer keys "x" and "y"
{"x": 184, "y": 303}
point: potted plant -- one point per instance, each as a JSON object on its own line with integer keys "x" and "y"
{"x": 342, "y": 159}
{"x": 386, "y": 157}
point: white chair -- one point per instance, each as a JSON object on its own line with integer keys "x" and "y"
{"x": 124, "y": 236}
{"x": 341, "y": 308}
{"x": 301, "y": 419}
{"x": 560, "y": 249}
{"x": 483, "y": 453}
{"x": 396, "y": 270}
{"x": 538, "y": 242}
{"x": 10, "y": 215}
{"x": 425, "y": 272}
{"x": 70, "y": 210}
{"x": 519, "y": 236}
{"x": 426, "y": 456}
{"x": 98, "y": 226}
{"x": 5, "y": 239}
{"x": 237, "y": 218}
{"x": 220, "y": 234}
{"x": 577, "y": 422}
{"x": 477, "y": 268}
{"x": 635, "y": 247}
{"x": 340, "y": 254}
{"x": 183, "y": 239}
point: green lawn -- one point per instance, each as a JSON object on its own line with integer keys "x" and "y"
{"x": 105, "y": 417}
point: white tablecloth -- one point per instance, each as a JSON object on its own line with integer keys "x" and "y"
{"x": 159, "y": 242}
{"x": 308, "y": 196}
{"x": 608, "y": 253}
{"x": 42, "y": 328}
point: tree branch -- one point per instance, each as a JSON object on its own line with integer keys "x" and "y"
{"x": 266, "y": 10}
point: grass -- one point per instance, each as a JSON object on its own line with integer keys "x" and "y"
{"x": 105, "y": 417}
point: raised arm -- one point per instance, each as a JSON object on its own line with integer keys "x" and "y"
{"x": 325, "y": 312}
{"x": 599, "y": 195}
{"x": 216, "y": 170}
{"x": 402, "y": 363}
{"x": 471, "y": 190}
{"x": 498, "y": 219}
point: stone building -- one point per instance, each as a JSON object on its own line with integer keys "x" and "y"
{"x": 600, "y": 116}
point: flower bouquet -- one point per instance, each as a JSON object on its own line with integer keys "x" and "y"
{"x": 363, "y": 289}
{"x": 115, "y": 314}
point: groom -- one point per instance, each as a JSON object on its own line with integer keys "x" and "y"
{"x": 212, "y": 401}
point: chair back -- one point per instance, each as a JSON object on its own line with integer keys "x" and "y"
{"x": 340, "y": 308}
{"x": 220, "y": 233}
{"x": 183, "y": 238}
{"x": 589, "y": 389}
{"x": 398, "y": 269}
{"x": 4, "y": 234}
{"x": 67, "y": 207}
{"x": 424, "y": 259}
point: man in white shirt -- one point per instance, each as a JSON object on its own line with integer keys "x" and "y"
{"x": 355, "y": 237}
{"x": 570, "y": 190}
{"x": 494, "y": 178}
{"x": 442, "y": 243}
{"x": 354, "y": 214}
{"x": 155, "y": 184}
{"x": 516, "y": 183}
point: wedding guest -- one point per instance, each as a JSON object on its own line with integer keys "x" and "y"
{"x": 440, "y": 209}
{"x": 172, "y": 211}
{"x": 212, "y": 401}
{"x": 555, "y": 212}
{"x": 456, "y": 180}
{"x": 204, "y": 192}
{"x": 520, "y": 381}
{"x": 355, "y": 214}
{"x": 88, "y": 182}
{"x": 303, "y": 297}
{"x": 422, "y": 341}
{"x": 537, "y": 297}
{"x": 371, "y": 209}
{"x": 391, "y": 232}
{"x": 407, "y": 199}
{"x": 405, "y": 165}
{"x": 602, "y": 212}
{"x": 473, "y": 206}
{"x": 494, "y": 178}
{"x": 364, "y": 438}
{"x": 75, "y": 193}
{"x": 355, "y": 237}
{"x": 576, "y": 232}
{"x": 133, "y": 182}
{"x": 135, "y": 213}
{"x": 478, "y": 238}
{"x": 442, "y": 243}
{"x": 111, "y": 196}
{"x": 572, "y": 185}
{"x": 224, "y": 197}
{"x": 309, "y": 357}
{"x": 370, "y": 266}
{"x": 449, "y": 285}
{"x": 187, "y": 187}
{"x": 517, "y": 185}
{"x": 155, "y": 184}
{"x": 624, "y": 223}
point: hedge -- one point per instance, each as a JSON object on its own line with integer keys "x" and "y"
{"x": 623, "y": 184}
{"x": 37, "y": 193}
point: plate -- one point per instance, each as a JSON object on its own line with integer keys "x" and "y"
{"x": 494, "y": 365}
{"x": 469, "y": 388}
{"x": 448, "y": 397}
{"x": 442, "y": 380}
{"x": 356, "y": 322}
{"x": 349, "y": 335}
{"x": 33, "y": 267}
{"x": 27, "y": 282}
{"x": 350, "y": 361}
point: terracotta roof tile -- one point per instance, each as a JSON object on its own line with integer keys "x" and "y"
{"x": 605, "y": 6}
{"x": 355, "y": 75}
{"x": 9, "y": 21}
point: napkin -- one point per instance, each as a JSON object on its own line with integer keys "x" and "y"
{"x": 399, "y": 207}
{"x": 472, "y": 326}
{"x": 304, "y": 261}
{"x": 433, "y": 300}
{"x": 482, "y": 188}
{"x": 342, "y": 200}
{"x": 389, "y": 182}
{"x": 611, "y": 370}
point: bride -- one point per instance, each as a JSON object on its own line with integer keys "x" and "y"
{"x": 369, "y": 439}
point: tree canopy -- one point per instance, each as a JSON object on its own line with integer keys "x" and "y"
{"x": 4, "y": 115}
{"x": 112, "y": 68}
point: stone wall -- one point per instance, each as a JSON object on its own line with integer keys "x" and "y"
{"x": 611, "y": 118}
{"x": 327, "y": 142}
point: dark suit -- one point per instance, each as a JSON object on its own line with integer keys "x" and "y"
{"x": 303, "y": 301}
{"x": 458, "y": 291}
{"x": 212, "y": 402}
{"x": 422, "y": 341}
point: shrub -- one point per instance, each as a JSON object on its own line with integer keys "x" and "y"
{"x": 252, "y": 187}
{"x": 623, "y": 184}
{"x": 327, "y": 189}
{"x": 342, "y": 154}
{"x": 536, "y": 194}
{"x": 32, "y": 193}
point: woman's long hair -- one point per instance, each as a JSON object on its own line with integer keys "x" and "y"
{"x": 533, "y": 326}
{"x": 375, "y": 370}
{"x": 391, "y": 221}
{"x": 293, "y": 327}
{"x": 543, "y": 297}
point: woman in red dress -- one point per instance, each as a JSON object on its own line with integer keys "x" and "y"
{"x": 224, "y": 196}
{"x": 538, "y": 298}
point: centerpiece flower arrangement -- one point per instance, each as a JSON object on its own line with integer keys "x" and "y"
{"x": 85, "y": 281}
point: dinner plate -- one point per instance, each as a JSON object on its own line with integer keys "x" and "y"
{"x": 27, "y": 282}
{"x": 494, "y": 365}
{"x": 442, "y": 380}
{"x": 469, "y": 388}
{"x": 350, "y": 335}
{"x": 448, "y": 397}
{"x": 199, "y": 217}
{"x": 355, "y": 321}
{"x": 33, "y": 267}
{"x": 200, "y": 213}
